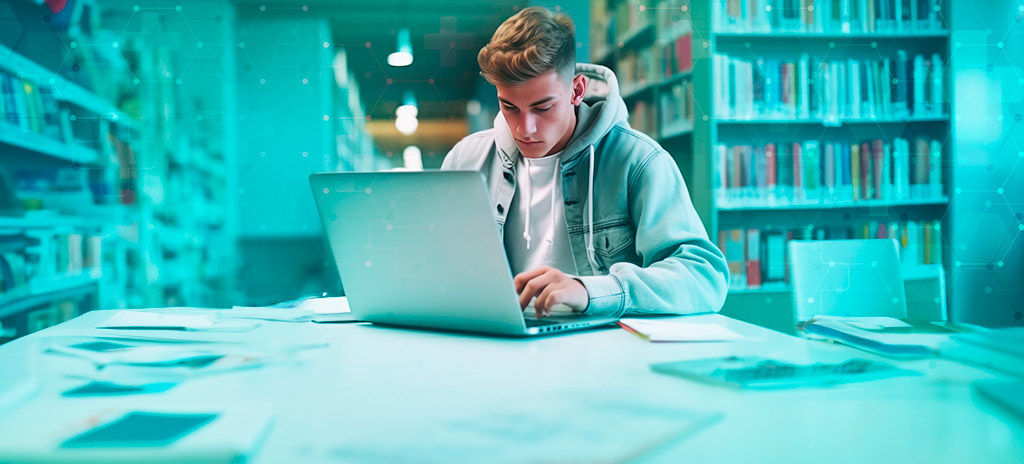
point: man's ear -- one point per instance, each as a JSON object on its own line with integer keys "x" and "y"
{"x": 579, "y": 89}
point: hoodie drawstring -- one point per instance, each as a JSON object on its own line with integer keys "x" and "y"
{"x": 529, "y": 202}
{"x": 590, "y": 207}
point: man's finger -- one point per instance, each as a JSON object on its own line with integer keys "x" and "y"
{"x": 534, "y": 287}
{"x": 541, "y": 303}
{"x": 526, "y": 276}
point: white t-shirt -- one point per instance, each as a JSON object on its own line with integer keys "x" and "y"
{"x": 538, "y": 200}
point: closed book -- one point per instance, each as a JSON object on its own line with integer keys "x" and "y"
{"x": 721, "y": 173}
{"x": 732, "y": 245}
{"x": 855, "y": 167}
{"x": 935, "y": 169}
{"x": 812, "y": 171}
{"x": 876, "y": 166}
{"x": 771, "y": 170}
{"x": 753, "y": 261}
{"x": 798, "y": 173}
{"x": 804, "y": 92}
{"x": 684, "y": 53}
{"x": 774, "y": 256}
{"x": 937, "y": 101}
{"x": 901, "y": 104}
{"x": 829, "y": 160}
{"x": 866, "y": 172}
{"x": 920, "y": 102}
{"x": 922, "y": 155}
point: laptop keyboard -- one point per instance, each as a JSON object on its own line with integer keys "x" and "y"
{"x": 530, "y": 322}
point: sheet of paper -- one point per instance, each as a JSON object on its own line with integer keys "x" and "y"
{"x": 153, "y": 320}
{"x": 574, "y": 427}
{"x": 267, "y": 314}
{"x": 670, "y": 331}
{"x": 338, "y": 304}
{"x": 868, "y": 323}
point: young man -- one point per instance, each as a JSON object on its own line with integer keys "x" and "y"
{"x": 595, "y": 215}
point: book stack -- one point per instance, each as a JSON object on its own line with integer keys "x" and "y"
{"x": 642, "y": 118}
{"x": 757, "y": 257}
{"x": 628, "y": 19}
{"x": 816, "y": 173}
{"x": 838, "y": 16}
{"x": 677, "y": 55}
{"x": 32, "y": 108}
{"x": 829, "y": 90}
{"x": 637, "y": 68}
{"x": 675, "y": 107}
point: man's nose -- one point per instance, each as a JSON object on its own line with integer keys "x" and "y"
{"x": 528, "y": 125}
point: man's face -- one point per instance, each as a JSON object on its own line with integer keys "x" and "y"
{"x": 541, "y": 112}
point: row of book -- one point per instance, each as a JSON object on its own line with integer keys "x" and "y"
{"x": 675, "y": 108}
{"x": 830, "y": 90}
{"x": 33, "y": 108}
{"x": 814, "y": 172}
{"x": 46, "y": 257}
{"x": 839, "y": 16}
{"x": 759, "y": 257}
{"x": 637, "y": 68}
{"x": 677, "y": 55}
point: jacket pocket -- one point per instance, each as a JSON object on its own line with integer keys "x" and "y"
{"x": 614, "y": 244}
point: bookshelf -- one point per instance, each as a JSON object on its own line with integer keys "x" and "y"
{"x": 66, "y": 197}
{"x": 772, "y": 85}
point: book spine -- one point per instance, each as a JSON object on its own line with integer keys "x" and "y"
{"x": 753, "y": 258}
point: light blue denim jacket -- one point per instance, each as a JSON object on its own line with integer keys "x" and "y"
{"x": 650, "y": 252}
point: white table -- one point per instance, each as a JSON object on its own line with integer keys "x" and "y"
{"x": 374, "y": 382}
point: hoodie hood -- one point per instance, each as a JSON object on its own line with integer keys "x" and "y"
{"x": 602, "y": 109}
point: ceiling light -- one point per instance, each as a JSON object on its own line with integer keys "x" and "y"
{"x": 407, "y": 124}
{"x": 403, "y": 52}
{"x": 413, "y": 158}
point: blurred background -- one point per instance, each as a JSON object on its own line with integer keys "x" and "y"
{"x": 156, "y": 153}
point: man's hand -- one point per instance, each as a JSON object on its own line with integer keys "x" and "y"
{"x": 550, "y": 286}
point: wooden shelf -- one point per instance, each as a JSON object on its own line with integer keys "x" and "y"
{"x": 637, "y": 35}
{"x": 63, "y": 89}
{"x": 789, "y": 35}
{"x": 909, "y": 272}
{"x": 41, "y": 293}
{"x": 763, "y": 206}
{"x": 838, "y": 122}
{"x": 40, "y": 144}
{"x": 674, "y": 130}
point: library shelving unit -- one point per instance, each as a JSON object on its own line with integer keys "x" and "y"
{"x": 649, "y": 48}
{"x": 67, "y": 198}
{"x": 811, "y": 120}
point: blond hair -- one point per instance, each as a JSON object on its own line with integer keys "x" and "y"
{"x": 528, "y": 44}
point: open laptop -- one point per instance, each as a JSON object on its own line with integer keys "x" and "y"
{"x": 422, "y": 249}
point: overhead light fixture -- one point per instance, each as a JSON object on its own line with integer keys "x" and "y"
{"x": 406, "y": 121}
{"x": 413, "y": 158}
{"x": 407, "y": 125}
{"x": 403, "y": 51}
{"x": 408, "y": 107}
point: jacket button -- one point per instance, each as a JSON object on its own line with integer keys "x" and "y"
{"x": 501, "y": 209}
{"x": 508, "y": 176}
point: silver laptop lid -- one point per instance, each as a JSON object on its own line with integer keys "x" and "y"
{"x": 419, "y": 249}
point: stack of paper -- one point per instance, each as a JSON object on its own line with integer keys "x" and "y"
{"x": 876, "y": 335}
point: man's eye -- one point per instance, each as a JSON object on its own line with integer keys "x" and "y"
{"x": 510, "y": 108}
{"x": 541, "y": 110}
